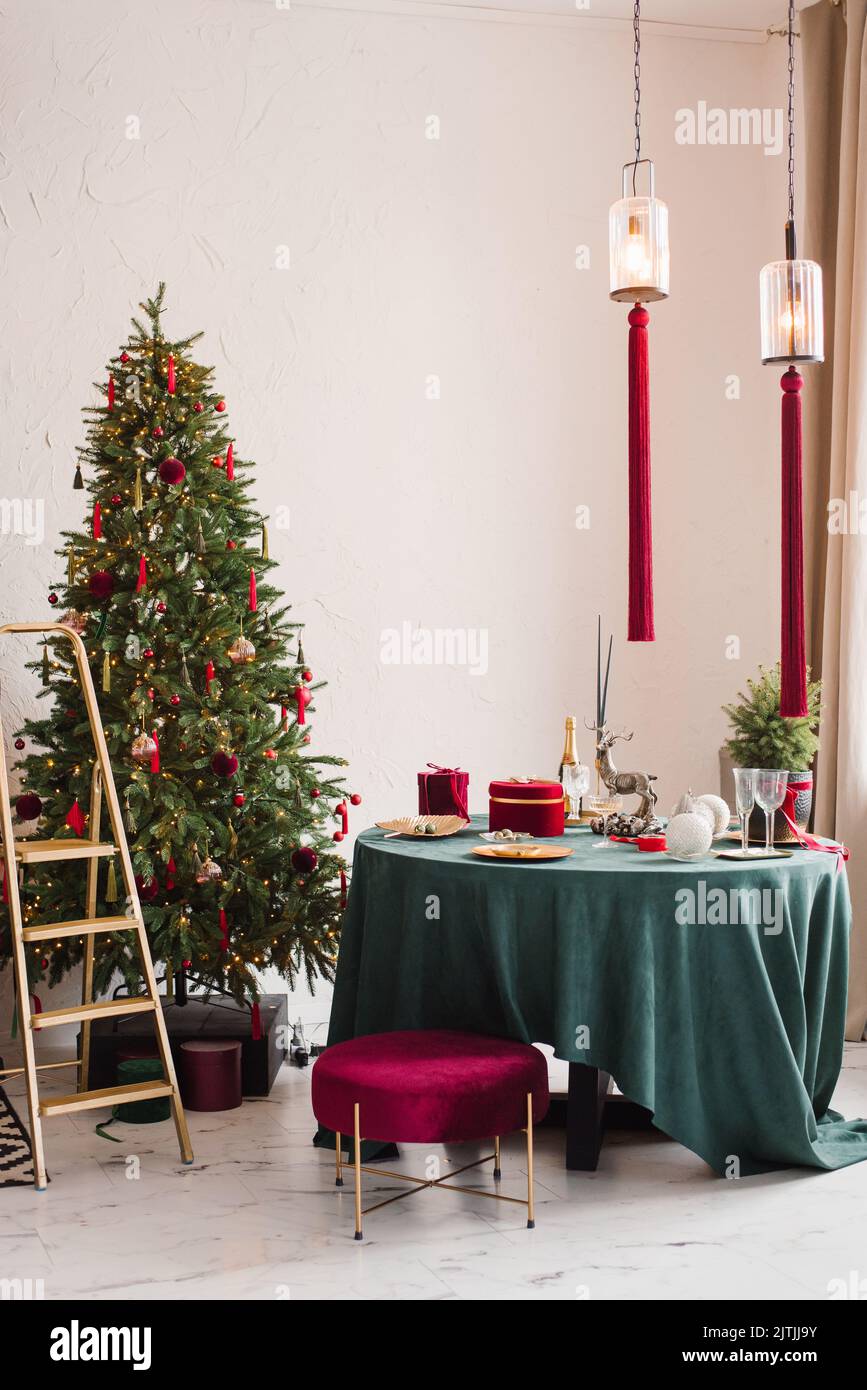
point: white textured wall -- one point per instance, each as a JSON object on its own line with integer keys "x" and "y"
{"x": 262, "y": 128}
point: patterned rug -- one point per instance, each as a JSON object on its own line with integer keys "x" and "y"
{"x": 16, "y": 1166}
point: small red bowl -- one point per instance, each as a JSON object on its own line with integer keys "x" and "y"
{"x": 651, "y": 844}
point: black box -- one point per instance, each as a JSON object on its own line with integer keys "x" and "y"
{"x": 261, "y": 1058}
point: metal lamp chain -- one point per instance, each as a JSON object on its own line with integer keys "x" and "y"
{"x": 636, "y": 69}
{"x": 791, "y": 110}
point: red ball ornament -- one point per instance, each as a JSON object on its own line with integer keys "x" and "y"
{"x": 269, "y": 753}
{"x": 19, "y": 744}
{"x": 198, "y": 407}
{"x": 116, "y": 499}
{"x": 239, "y": 798}
{"x": 314, "y": 792}
{"x": 224, "y": 764}
{"x": 174, "y": 699}
{"x": 231, "y": 545}
{"x": 148, "y": 653}
{"x": 355, "y": 799}
{"x": 186, "y": 964}
{"x": 220, "y": 406}
{"x": 218, "y": 462}
{"x": 124, "y": 357}
{"x": 161, "y": 607}
{"x": 306, "y": 738}
{"x": 150, "y": 692}
{"x": 304, "y": 860}
{"x": 52, "y": 599}
{"x": 44, "y": 962}
{"x": 101, "y": 584}
{"x": 303, "y": 696}
{"x": 147, "y": 889}
{"x": 172, "y": 471}
{"x": 338, "y": 836}
{"x": 307, "y": 675}
{"x": 158, "y": 432}
{"x": 28, "y": 806}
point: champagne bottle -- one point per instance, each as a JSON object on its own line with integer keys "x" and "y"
{"x": 575, "y": 778}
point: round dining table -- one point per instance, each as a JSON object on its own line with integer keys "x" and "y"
{"x": 713, "y": 991}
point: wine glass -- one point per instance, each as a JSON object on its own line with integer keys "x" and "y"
{"x": 770, "y": 790}
{"x": 745, "y": 800}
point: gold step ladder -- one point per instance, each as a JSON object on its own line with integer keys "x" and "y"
{"x": 20, "y": 852}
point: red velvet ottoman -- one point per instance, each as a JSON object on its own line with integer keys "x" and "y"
{"x": 433, "y": 1087}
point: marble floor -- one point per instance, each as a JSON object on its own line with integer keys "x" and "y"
{"x": 258, "y": 1217}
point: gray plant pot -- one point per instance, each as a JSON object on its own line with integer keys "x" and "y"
{"x": 782, "y": 831}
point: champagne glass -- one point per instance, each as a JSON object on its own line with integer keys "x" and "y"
{"x": 770, "y": 790}
{"x": 605, "y": 842}
{"x": 745, "y": 800}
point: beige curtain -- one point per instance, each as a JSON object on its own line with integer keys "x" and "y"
{"x": 834, "y": 46}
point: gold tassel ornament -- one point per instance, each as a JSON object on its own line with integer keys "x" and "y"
{"x": 106, "y": 675}
{"x": 111, "y": 884}
{"x": 137, "y": 499}
{"x": 265, "y": 555}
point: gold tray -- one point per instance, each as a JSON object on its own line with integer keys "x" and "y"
{"x": 521, "y": 851}
{"x": 406, "y": 826}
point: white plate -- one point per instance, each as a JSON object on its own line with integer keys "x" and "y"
{"x": 407, "y": 826}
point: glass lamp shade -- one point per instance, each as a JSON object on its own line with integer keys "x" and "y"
{"x": 638, "y": 248}
{"x": 791, "y": 312}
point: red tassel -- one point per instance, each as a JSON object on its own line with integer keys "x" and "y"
{"x": 209, "y": 676}
{"x": 253, "y": 591}
{"x": 342, "y": 889}
{"x": 301, "y": 701}
{"x": 155, "y": 755}
{"x": 142, "y": 574}
{"x": 75, "y": 818}
{"x": 171, "y": 374}
{"x": 97, "y": 521}
{"x": 171, "y": 870}
{"x": 36, "y": 1004}
{"x": 257, "y": 1023}
{"x": 111, "y": 393}
{"x": 224, "y": 929}
{"x": 230, "y": 463}
{"x": 640, "y": 523}
{"x": 793, "y": 663}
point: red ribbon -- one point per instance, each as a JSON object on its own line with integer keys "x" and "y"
{"x": 301, "y": 702}
{"x": 142, "y": 574}
{"x": 111, "y": 393}
{"x": 224, "y": 929}
{"x": 458, "y": 798}
{"x": 787, "y": 811}
{"x": 171, "y": 375}
{"x": 342, "y": 888}
{"x": 253, "y": 601}
{"x": 155, "y": 755}
{"x": 97, "y": 521}
{"x": 230, "y": 463}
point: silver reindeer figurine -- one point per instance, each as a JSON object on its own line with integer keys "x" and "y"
{"x": 623, "y": 783}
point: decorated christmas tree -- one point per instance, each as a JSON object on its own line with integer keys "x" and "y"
{"x": 206, "y": 699}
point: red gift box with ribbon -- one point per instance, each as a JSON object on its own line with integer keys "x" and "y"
{"x": 442, "y": 791}
{"x": 527, "y": 804}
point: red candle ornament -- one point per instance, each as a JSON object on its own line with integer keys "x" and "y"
{"x": 142, "y": 574}
{"x": 253, "y": 601}
{"x": 171, "y": 384}
{"x": 209, "y": 676}
{"x": 97, "y": 521}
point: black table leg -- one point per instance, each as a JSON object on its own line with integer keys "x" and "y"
{"x": 585, "y": 1112}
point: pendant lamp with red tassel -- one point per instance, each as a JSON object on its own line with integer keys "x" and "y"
{"x": 792, "y": 331}
{"x": 639, "y": 264}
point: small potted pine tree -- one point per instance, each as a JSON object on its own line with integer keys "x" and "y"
{"x": 761, "y": 737}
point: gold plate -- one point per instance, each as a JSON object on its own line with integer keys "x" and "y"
{"x": 519, "y": 851}
{"x": 406, "y": 826}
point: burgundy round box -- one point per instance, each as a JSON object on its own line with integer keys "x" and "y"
{"x": 534, "y": 806}
{"x": 211, "y": 1074}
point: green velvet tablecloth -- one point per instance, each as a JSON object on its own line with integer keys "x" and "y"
{"x": 731, "y": 1034}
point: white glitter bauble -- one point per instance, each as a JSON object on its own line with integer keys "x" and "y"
{"x": 688, "y": 835}
{"x": 721, "y": 813}
{"x": 690, "y": 805}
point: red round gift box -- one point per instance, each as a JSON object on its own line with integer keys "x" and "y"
{"x": 211, "y": 1074}
{"x": 536, "y": 806}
